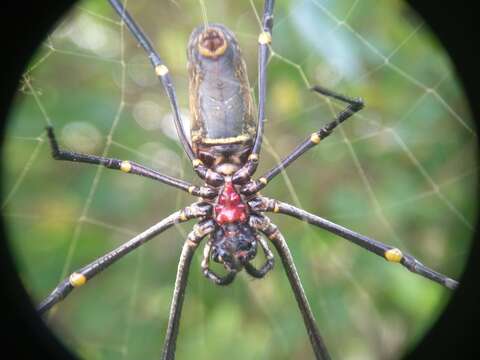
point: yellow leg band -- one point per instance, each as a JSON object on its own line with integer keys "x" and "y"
{"x": 276, "y": 209}
{"x": 161, "y": 70}
{"x": 274, "y": 235}
{"x": 265, "y": 38}
{"x": 77, "y": 280}
{"x": 393, "y": 255}
{"x": 197, "y": 162}
{"x": 125, "y": 166}
{"x": 315, "y": 138}
{"x": 182, "y": 216}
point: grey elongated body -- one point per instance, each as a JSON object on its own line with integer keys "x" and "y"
{"x": 223, "y": 118}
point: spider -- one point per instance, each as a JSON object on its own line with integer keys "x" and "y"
{"x": 226, "y": 139}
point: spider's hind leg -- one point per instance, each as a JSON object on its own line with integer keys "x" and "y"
{"x": 86, "y": 273}
{"x": 263, "y": 224}
{"x": 385, "y": 251}
{"x": 353, "y": 106}
{"x": 199, "y": 231}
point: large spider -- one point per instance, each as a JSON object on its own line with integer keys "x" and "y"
{"x": 225, "y": 144}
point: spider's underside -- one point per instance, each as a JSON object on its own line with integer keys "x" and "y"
{"x": 225, "y": 145}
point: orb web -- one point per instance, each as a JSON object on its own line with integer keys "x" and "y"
{"x": 402, "y": 171}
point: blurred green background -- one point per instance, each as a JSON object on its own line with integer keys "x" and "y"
{"x": 402, "y": 171}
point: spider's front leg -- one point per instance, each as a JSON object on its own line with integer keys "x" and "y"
{"x": 200, "y": 230}
{"x": 390, "y": 253}
{"x": 264, "y": 41}
{"x": 86, "y": 273}
{"x": 263, "y": 224}
{"x": 161, "y": 70}
{"x": 353, "y": 105}
{"x": 163, "y": 74}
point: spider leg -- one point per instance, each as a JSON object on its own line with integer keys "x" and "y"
{"x": 353, "y": 105}
{"x": 209, "y": 274}
{"x": 263, "y": 224}
{"x": 388, "y": 252}
{"x": 81, "y": 276}
{"x": 126, "y": 166}
{"x": 200, "y": 230}
{"x": 264, "y": 40}
{"x": 162, "y": 73}
{"x": 260, "y": 273}
{"x": 160, "y": 70}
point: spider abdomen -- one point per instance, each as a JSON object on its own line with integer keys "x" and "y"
{"x": 223, "y": 120}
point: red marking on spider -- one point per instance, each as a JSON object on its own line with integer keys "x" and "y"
{"x": 230, "y": 208}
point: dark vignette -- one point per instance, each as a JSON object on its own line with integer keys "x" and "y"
{"x": 454, "y": 334}
{"x": 25, "y": 24}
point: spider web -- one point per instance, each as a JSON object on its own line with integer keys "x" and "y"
{"x": 401, "y": 171}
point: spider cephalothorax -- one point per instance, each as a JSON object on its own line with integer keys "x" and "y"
{"x": 234, "y": 242}
{"x": 230, "y": 207}
{"x": 224, "y": 151}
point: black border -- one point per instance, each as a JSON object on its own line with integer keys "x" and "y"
{"x": 454, "y": 335}
{"x": 25, "y": 24}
